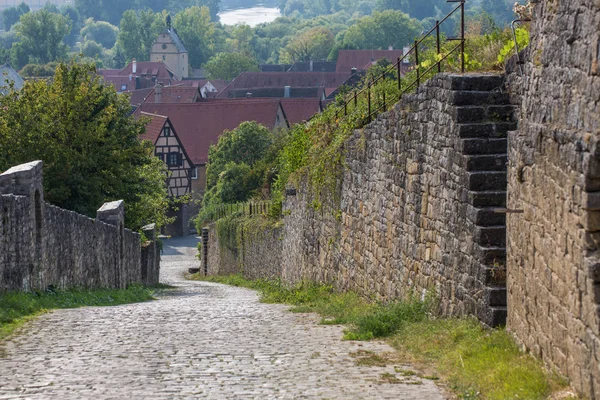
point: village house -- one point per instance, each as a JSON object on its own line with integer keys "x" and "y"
{"x": 169, "y": 49}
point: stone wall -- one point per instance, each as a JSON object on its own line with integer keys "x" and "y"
{"x": 418, "y": 203}
{"x": 42, "y": 245}
{"x": 554, "y": 177}
{"x": 257, "y": 256}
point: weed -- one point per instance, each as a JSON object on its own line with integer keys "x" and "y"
{"x": 368, "y": 359}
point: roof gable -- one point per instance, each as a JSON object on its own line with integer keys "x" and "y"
{"x": 362, "y": 59}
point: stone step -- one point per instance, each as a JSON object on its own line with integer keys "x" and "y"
{"x": 494, "y": 258}
{"x": 486, "y": 181}
{"x": 486, "y": 162}
{"x": 477, "y": 146}
{"x": 496, "y": 316}
{"x": 477, "y": 98}
{"x": 490, "y": 198}
{"x": 496, "y": 296}
{"x": 483, "y": 113}
{"x": 490, "y": 236}
{"x": 486, "y": 129}
{"x": 485, "y": 216}
{"x": 485, "y": 82}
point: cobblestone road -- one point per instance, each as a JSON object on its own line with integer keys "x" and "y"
{"x": 200, "y": 340}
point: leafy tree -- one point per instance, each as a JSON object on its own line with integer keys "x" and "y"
{"x": 11, "y": 15}
{"x": 91, "y": 49}
{"x": 137, "y": 33}
{"x": 40, "y": 37}
{"x": 37, "y": 71}
{"x": 415, "y": 8}
{"x": 229, "y": 65}
{"x": 197, "y": 32}
{"x": 100, "y": 32}
{"x": 89, "y": 9}
{"x": 246, "y": 144}
{"x": 84, "y": 133}
{"x": 71, "y": 12}
{"x": 313, "y": 44}
{"x": 381, "y": 30}
{"x": 213, "y": 6}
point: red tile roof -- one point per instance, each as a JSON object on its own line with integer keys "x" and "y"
{"x": 199, "y": 125}
{"x": 299, "y": 110}
{"x": 362, "y": 59}
{"x": 152, "y": 68}
{"x": 282, "y": 79}
{"x": 154, "y": 127}
{"x": 138, "y": 96}
{"x": 192, "y": 83}
{"x": 175, "y": 94}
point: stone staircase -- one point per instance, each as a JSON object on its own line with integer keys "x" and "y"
{"x": 485, "y": 116}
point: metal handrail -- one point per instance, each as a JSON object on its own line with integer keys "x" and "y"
{"x": 353, "y": 98}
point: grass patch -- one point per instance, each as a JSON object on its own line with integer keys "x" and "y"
{"x": 476, "y": 362}
{"x": 473, "y": 361}
{"x": 16, "y": 308}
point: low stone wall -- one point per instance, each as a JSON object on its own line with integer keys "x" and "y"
{"x": 553, "y": 248}
{"x": 42, "y": 245}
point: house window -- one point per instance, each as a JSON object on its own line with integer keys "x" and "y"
{"x": 164, "y": 58}
{"x": 174, "y": 159}
{"x": 161, "y": 156}
{"x": 123, "y": 88}
{"x": 167, "y": 131}
{"x": 194, "y": 173}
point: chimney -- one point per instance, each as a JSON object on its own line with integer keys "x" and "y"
{"x": 286, "y": 91}
{"x": 390, "y": 48}
{"x": 134, "y": 66}
{"x": 311, "y": 66}
{"x": 248, "y": 95}
{"x": 353, "y": 71}
{"x": 158, "y": 93}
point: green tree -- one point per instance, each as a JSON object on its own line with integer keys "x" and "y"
{"x": 89, "y": 143}
{"x": 91, "y": 49}
{"x": 246, "y": 144}
{"x": 41, "y": 36}
{"x": 415, "y": 8}
{"x": 313, "y": 44}
{"x": 137, "y": 33}
{"x": 381, "y": 30}
{"x": 100, "y": 32}
{"x": 197, "y": 32}
{"x": 11, "y": 15}
{"x": 229, "y": 65}
{"x": 213, "y": 6}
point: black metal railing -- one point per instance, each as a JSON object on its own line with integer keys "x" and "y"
{"x": 351, "y": 102}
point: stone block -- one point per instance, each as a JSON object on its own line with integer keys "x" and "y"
{"x": 112, "y": 213}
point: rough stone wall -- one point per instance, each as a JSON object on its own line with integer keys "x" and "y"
{"x": 554, "y": 177}
{"x": 417, "y": 203}
{"x": 258, "y": 256}
{"x": 43, "y": 245}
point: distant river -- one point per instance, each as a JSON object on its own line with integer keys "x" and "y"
{"x": 251, "y": 16}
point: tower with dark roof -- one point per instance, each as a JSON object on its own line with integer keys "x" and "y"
{"x": 169, "y": 49}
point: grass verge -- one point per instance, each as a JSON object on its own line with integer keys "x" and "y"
{"x": 16, "y": 308}
{"x": 473, "y": 361}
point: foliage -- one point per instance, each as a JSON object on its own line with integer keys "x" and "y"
{"x": 11, "y": 15}
{"x": 91, "y": 49}
{"x": 229, "y": 65}
{"x": 237, "y": 166}
{"x": 38, "y": 71}
{"x": 15, "y": 307}
{"x": 84, "y": 133}
{"x": 522, "y": 35}
{"x": 196, "y": 30}
{"x": 40, "y": 37}
{"x": 313, "y": 44}
{"x": 137, "y": 33}
{"x": 212, "y": 5}
{"x": 100, "y": 32}
{"x": 381, "y": 30}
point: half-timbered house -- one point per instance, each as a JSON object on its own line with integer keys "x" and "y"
{"x": 167, "y": 146}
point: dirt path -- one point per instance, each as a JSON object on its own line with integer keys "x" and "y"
{"x": 200, "y": 340}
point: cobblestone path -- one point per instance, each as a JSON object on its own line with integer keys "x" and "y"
{"x": 200, "y": 340}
